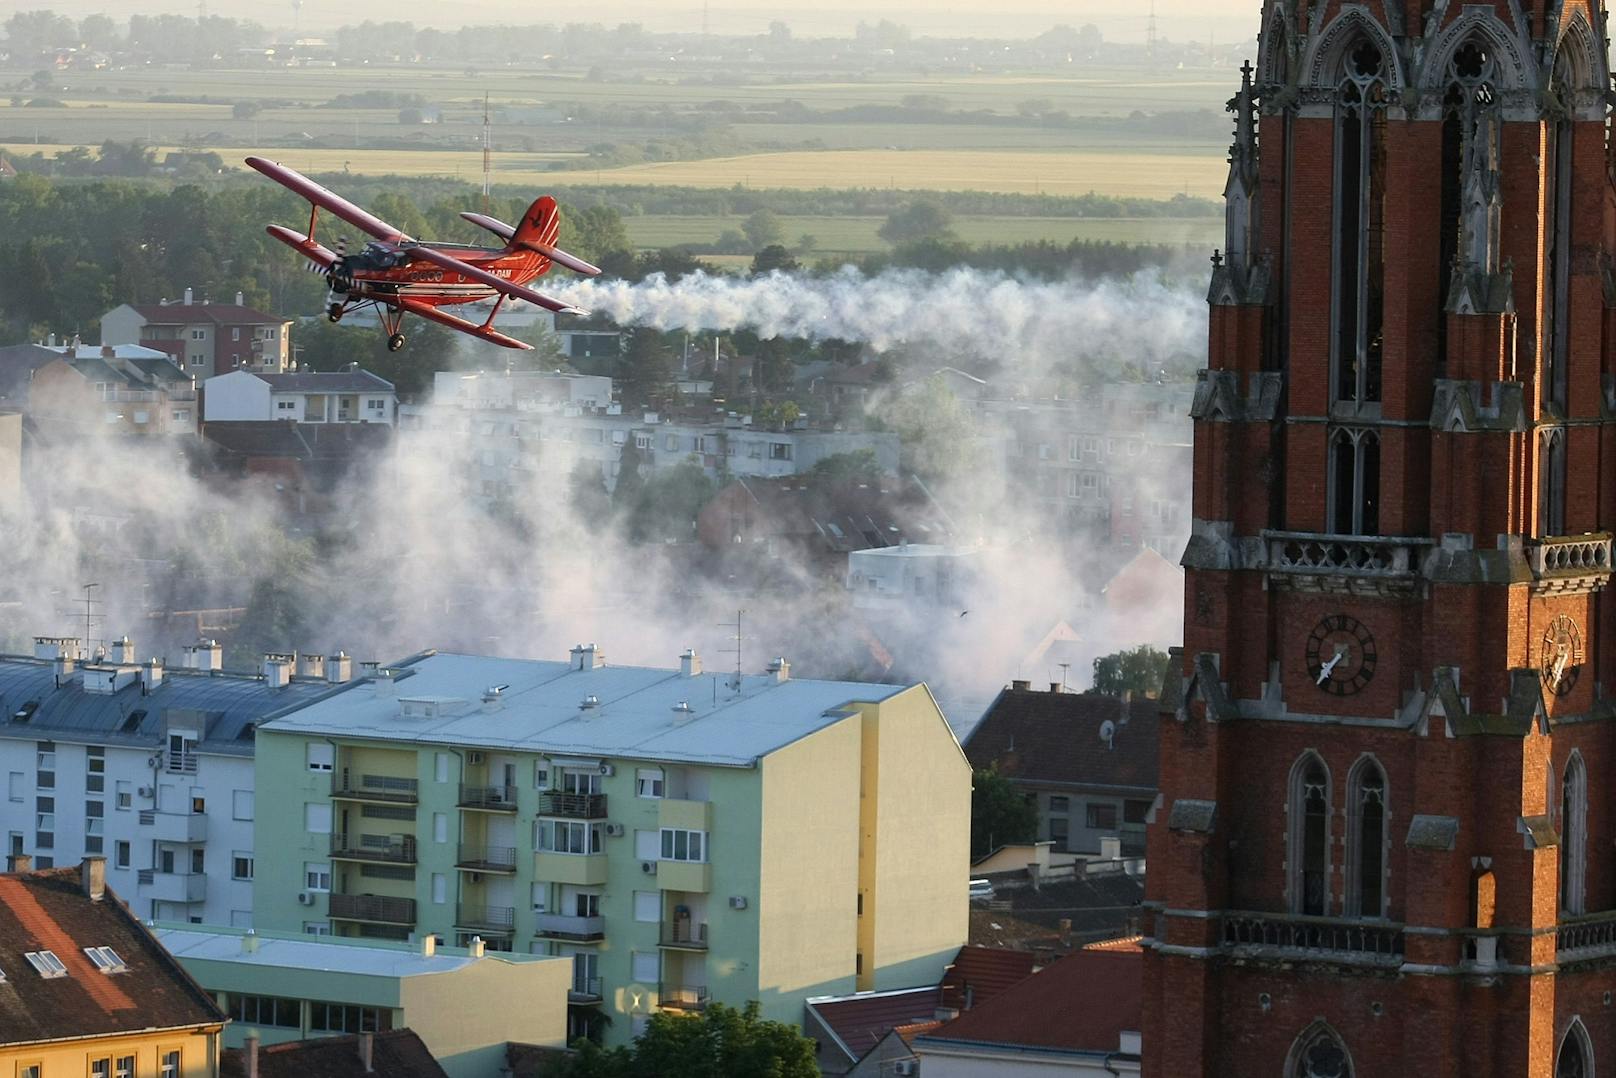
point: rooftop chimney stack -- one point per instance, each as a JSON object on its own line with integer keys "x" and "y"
{"x": 311, "y": 666}
{"x": 205, "y": 654}
{"x": 429, "y": 945}
{"x": 187, "y": 297}
{"x": 587, "y": 657}
{"x": 250, "y": 1050}
{"x": 249, "y": 942}
{"x": 240, "y": 300}
{"x": 93, "y": 876}
{"x": 384, "y": 684}
{"x": 56, "y": 647}
{"x": 475, "y": 947}
{"x": 277, "y": 670}
{"x": 779, "y": 669}
{"x": 19, "y": 862}
{"x": 339, "y": 669}
{"x": 151, "y": 676}
{"x": 121, "y": 651}
{"x": 689, "y": 663}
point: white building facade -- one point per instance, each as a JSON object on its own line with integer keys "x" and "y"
{"x": 352, "y": 396}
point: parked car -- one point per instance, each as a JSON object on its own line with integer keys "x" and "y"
{"x": 981, "y": 890}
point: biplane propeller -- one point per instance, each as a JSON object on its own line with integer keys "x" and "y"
{"x": 401, "y": 275}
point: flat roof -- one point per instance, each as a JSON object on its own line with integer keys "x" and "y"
{"x": 540, "y": 710}
{"x": 318, "y": 954}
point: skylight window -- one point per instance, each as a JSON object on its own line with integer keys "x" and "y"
{"x": 46, "y": 963}
{"x": 106, "y": 959}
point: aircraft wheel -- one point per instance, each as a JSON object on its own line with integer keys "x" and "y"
{"x": 395, "y": 342}
{"x": 334, "y": 312}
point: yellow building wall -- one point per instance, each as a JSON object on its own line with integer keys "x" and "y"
{"x": 808, "y": 870}
{"x": 199, "y": 1054}
{"x": 465, "y": 1019}
{"x": 916, "y": 828}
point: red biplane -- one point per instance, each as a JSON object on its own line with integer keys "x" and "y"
{"x": 401, "y": 275}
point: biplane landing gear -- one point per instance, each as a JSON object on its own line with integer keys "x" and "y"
{"x": 334, "y": 312}
{"x": 395, "y": 342}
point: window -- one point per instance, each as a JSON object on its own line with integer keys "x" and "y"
{"x": 681, "y": 845}
{"x": 46, "y": 964}
{"x": 648, "y": 906}
{"x": 124, "y": 1067}
{"x": 779, "y": 450}
{"x": 1100, "y": 817}
{"x": 375, "y": 404}
{"x": 1557, "y": 212}
{"x": 648, "y": 783}
{"x": 440, "y": 827}
{"x": 101, "y": 1068}
{"x": 198, "y": 861}
{"x": 265, "y": 1011}
{"x": 317, "y": 818}
{"x": 123, "y": 796}
{"x": 440, "y": 888}
{"x": 1072, "y": 452}
{"x": 1308, "y": 813}
{"x": 1059, "y": 828}
{"x": 345, "y": 1018}
{"x": 199, "y": 805}
{"x": 440, "y": 767}
{"x": 1360, "y": 188}
{"x": 95, "y": 769}
{"x": 316, "y": 928}
{"x": 14, "y": 786}
{"x": 1552, "y": 482}
{"x": 30, "y": 1070}
{"x": 241, "y": 866}
{"x": 566, "y": 836}
{"x": 1354, "y": 482}
{"x": 316, "y": 877}
{"x": 182, "y": 753}
{"x": 1573, "y": 834}
{"x": 1319, "y": 1053}
{"x": 106, "y": 959}
{"x": 241, "y": 804}
{"x": 321, "y": 755}
{"x": 1366, "y": 884}
{"x": 1576, "y": 1056}
{"x": 645, "y": 967}
{"x": 199, "y": 334}
{"x": 1059, "y": 803}
{"x": 539, "y": 897}
{"x": 197, "y": 359}
{"x": 647, "y": 845}
{"x": 235, "y": 333}
{"x": 120, "y": 854}
{"x": 1135, "y": 811}
{"x": 541, "y": 775}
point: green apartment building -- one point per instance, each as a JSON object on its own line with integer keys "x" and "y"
{"x": 682, "y": 837}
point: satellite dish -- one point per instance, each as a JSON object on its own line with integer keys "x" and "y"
{"x": 1108, "y": 732}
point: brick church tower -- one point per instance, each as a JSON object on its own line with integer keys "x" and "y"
{"x": 1384, "y": 843}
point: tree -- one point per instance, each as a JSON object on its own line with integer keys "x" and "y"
{"x": 1001, "y": 813}
{"x": 1139, "y": 670}
{"x": 647, "y": 376}
{"x": 98, "y": 32}
{"x": 735, "y": 1043}
{"x": 921, "y": 220}
{"x": 245, "y": 110}
{"x": 669, "y": 502}
{"x": 774, "y": 257}
{"x": 936, "y": 434}
{"x": 859, "y": 466}
{"x": 763, "y": 229}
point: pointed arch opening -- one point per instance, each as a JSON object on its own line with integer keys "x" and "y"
{"x": 1367, "y": 827}
{"x": 1551, "y": 481}
{"x": 1557, "y": 205}
{"x": 1360, "y": 224}
{"x": 1573, "y": 835}
{"x": 1319, "y": 1052}
{"x": 1353, "y": 481}
{"x": 1575, "y": 1056}
{"x": 1308, "y": 817}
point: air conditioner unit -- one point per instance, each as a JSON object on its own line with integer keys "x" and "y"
{"x": 904, "y": 1066}
{"x": 305, "y": 898}
{"x": 648, "y": 867}
{"x": 474, "y": 757}
{"x": 476, "y": 877}
{"x": 737, "y": 902}
{"x": 615, "y": 830}
{"x": 145, "y": 791}
{"x": 608, "y": 770}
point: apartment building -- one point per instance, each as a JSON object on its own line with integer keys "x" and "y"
{"x": 204, "y": 339}
{"x": 151, "y": 768}
{"x": 287, "y": 987}
{"x": 349, "y": 396}
{"x": 122, "y": 389}
{"x": 680, "y": 836}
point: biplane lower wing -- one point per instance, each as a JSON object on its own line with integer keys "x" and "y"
{"x": 317, "y": 253}
{"x": 499, "y": 284}
{"x": 433, "y": 314}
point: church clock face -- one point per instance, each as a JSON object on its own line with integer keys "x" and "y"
{"x": 1559, "y": 655}
{"x": 1340, "y": 655}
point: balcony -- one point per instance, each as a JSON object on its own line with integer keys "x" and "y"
{"x": 685, "y": 815}
{"x": 693, "y": 876}
{"x": 377, "y": 849}
{"x": 684, "y": 935}
{"x": 573, "y": 806}
{"x": 181, "y": 763}
{"x": 486, "y": 858}
{"x": 378, "y": 789}
{"x": 584, "y": 990}
{"x": 559, "y": 926}
{"x": 496, "y": 920}
{"x": 488, "y": 798}
{"x": 1583, "y": 939}
{"x": 682, "y": 997}
{"x": 1569, "y": 564}
{"x": 376, "y": 909}
{"x": 175, "y": 826}
{"x": 183, "y": 887}
{"x": 1290, "y": 938}
{"x": 580, "y": 869}
{"x": 1345, "y": 564}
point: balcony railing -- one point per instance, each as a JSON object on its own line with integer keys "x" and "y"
{"x": 1258, "y": 935}
{"x": 584, "y": 990}
{"x": 573, "y": 806}
{"x": 1584, "y": 938}
{"x": 376, "y": 908}
{"x": 492, "y": 798}
{"x": 486, "y": 858}
{"x": 185, "y": 887}
{"x": 685, "y": 934}
{"x": 1570, "y": 563}
{"x": 388, "y": 788}
{"x": 384, "y": 849}
{"x": 564, "y": 927}
{"x": 500, "y": 919}
{"x": 182, "y": 763}
{"x": 682, "y": 997}
{"x": 1343, "y": 563}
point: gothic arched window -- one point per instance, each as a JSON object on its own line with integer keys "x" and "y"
{"x": 1319, "y": 1053}
{"x": 1573, "y": 834}
{"x": 1551, "y": 482}
{"x": 1557, "y": 168}
{"x": 1360, "y": 218}
{"x": 1576, "y": 1056}
{"x": 1353, "y": 481}
{"x": 1309, "y": 819}
{"x": 1366, "y": 807}
{"x": 1467, "y": 105}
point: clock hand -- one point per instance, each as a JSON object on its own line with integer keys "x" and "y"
{"x": 1325, "y": 670}
{"x": 1560, "y": 665}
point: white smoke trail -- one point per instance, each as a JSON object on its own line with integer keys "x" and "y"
{"x": 1142, "y": 318}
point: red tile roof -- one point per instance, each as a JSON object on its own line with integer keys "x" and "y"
{"x": 398, "y": 1053}
{"x": 984, "y": 972}
{"x": 1084, "y": 1002}
{"x": 1131, "y": 944}
{"x": 178, "y": 314}
{"x": 858, "y": 1022}
{"x": 1038, "y": 736}
{"x": 49, "y": 910}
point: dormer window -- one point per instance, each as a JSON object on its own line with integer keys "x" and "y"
{"x": 106, "y": 960}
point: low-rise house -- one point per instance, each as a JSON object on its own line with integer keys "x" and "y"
{"x": 1089, "y": 761}
{"x": 350, "y": 396}
{"x": 911, "y": 576}
{"x": 1079, "y": 1017}
{"x": 305, "y": 465}
{"x": 123, "y": 389}
{"x": 204, "y": 339}
{"x": 289, "y": 987}
{"x": 802, "y": 520}
{"x": 86, "y": 990}
{"x": 398, "y": 1053}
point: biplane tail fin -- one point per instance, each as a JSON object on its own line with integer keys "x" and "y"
{"x": 537, "y": 231}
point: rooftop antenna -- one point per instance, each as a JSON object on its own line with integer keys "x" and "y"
{"x": 1064, "y": 668}
{"x": 90, "y": 616}
{"x": 488, "y": 152}
{"x": 1150, "y": 30}
{"x": 297, "y": 10}
{"x": 735, "y": 683}
{"x": 704, "y": 4}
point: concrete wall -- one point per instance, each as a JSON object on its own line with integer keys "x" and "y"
{"x": 239, "y": 395}
{"x": 199, "y": 1054}
{"x": 514, "y": 1001}
{"x": 121, "y": 325}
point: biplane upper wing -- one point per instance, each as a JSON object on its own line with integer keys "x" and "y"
{"x": 499, "y": 284}
{"x": 326, "y": 199}
{"x": 432, "y": 314}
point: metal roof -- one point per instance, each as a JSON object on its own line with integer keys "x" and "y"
{"x": 541, "y": 710}
{"x": 233, "y": 701}
{"x": 365, "y": 958}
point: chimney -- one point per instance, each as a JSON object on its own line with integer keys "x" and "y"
{"x": 56, "y": 647}
{"x": 205, "y": 654}
{"x": 121, "y": 652}
{"x": 50, "y": 340}
{"x": 429, "y": 945}
{"x": 93, "y": 876}
{"x": 108, "y": 352}
{"x": 587, "y": 657}
{"x": 63, "y": 668}
{"x": 1054, "y": 686}
{"x": 312, "y": 666}
{"x": 367, "y": 1045}
{"x": 383, "y": 684}
{"x": 19, "y": 862}
{"x": 277, "y": 670}
{"x": 1066, "y": 931}
{"x": 187, "y": 296}
{"x": 339, "y": 669}
{"x": 369, "y": 669}
{"x": 249, "y": 942}
{"x": 240, "y": 300}
{"x": 151, "y": 676}
{"x": 249, "y": 1051}
{"x": 689, "y": 663}
{"x": 779, "y": 669}
{"x": 1020, "y": 686}
{"x": 475, "y": 947}
{"x": 491, "y": 697}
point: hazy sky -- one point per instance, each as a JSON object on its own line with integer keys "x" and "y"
{"x": 1228, "y": 20}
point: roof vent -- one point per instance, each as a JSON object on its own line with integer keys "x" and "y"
{"x": 779, "y": 669}
{"x": 683, "y": 712}
{"x": 492, "y": 697}
{"x": 591, "y": 702}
